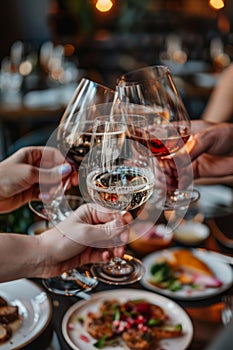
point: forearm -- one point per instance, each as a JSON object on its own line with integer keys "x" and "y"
{"x": 219, "y": 108}
{"x": 220, "y": 105}
{"x": 18, "y": 256}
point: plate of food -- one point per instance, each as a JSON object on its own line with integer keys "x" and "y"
{"x": 186, "y": 274}
{"x": 25, "y": 312}
{"x": 125, "y": 319}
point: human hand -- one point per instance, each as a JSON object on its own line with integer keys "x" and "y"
{"x": 88, "y": 235}
{"x": 22, "y": 172}
{"x": 211, "y": 151}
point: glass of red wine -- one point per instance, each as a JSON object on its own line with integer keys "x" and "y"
{"x": 169, "y": 126}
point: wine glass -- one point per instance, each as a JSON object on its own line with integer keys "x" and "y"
{"x": 73, "y": 139}
{"x": 87, "y": 93}
{"x": 169, "y": 125}
{"x": 120, "y": 177}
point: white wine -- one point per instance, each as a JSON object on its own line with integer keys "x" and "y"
{"x": 121, "y": 188}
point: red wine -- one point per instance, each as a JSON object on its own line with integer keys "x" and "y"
{"x": 79, "y": 149}
{"x": 164, "y": 147}
{"x": 168, "y": 141}
{"x": 76, "y": 150}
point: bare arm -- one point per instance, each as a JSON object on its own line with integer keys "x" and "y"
{"x": 220, "y": 105}
{"x": 52, "y": 252}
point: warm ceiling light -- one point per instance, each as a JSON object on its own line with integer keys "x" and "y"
{"x": 217, "y": 4}
{"x": 104, "y": 5}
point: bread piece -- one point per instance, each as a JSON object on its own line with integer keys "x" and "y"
{"x": 8, "y": 314}
{"x": 5, "y": 333}
{"x": 15, "y": 325}
{"x": 10, "y": 320}
{"x": 188, "y": 261}
{"x": 3, "y": 302}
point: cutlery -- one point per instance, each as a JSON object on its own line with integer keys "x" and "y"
{"x": 83, "y": 295}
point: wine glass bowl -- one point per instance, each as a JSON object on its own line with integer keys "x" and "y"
{"x": 169, "y": 126}
{"x": 120, "y": 177}
{"x": 69, "y": 138}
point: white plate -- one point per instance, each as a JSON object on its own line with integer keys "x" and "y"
{"x": 34, "y": 306}
{"x": 221, "y": 270}
{"x": 72, "y": 330}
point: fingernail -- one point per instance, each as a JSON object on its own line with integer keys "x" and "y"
{"x": 44, "y": 196}
{"x": 64, "y": 169}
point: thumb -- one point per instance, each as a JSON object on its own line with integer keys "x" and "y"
{"x": 55, "y": 174}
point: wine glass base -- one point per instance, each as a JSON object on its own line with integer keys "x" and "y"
{"x": 71, "y": 283}
{"x": 181, "y": 198}
{"x": 131, "y": 275}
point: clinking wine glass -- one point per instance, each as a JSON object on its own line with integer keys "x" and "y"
{"x": 120, "y": 177}
{"x": 169, "y": 125}
{"x": 70, "y": 127}
{"x": 70, "y": 138}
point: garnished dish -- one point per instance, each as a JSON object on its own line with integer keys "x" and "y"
{"x": 127, "y": 319}
{"x": 184, "y": 273}
{"x": 10, "y": 320}
{"x": 139, "y": 323}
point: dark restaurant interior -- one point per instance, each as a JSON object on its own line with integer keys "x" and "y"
{"x": 46, "y": 48}
{"x": 193, "y": 38}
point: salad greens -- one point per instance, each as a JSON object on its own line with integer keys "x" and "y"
{"x": 163, "y": 275}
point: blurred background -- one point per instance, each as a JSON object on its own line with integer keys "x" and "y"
{"x": 47, "y": 46}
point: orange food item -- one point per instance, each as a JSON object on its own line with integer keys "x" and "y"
{"x": 185, "y": 258}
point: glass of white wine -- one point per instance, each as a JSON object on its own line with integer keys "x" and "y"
{"x": 120, "y": 177}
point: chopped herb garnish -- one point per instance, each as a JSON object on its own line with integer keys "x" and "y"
{"x": 80, "y": 320}
{"x": 100, "y": 343}
{"x": 153, "y": 322}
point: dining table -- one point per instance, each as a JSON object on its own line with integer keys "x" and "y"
{"x": 216, "y": 206}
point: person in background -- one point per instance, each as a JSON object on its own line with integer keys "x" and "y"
{"x": 52, "y": 252}
{"x": 220, "y": 104}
